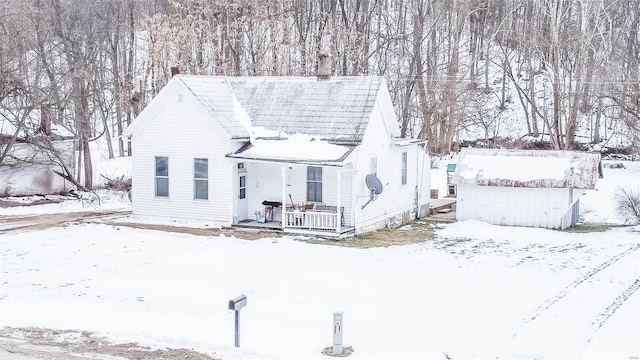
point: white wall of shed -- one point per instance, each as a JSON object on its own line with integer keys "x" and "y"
{"x": 534, "y": 207}
{"x": 183, "y": 130}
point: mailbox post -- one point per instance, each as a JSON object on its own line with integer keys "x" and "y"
{"x": 337, "y": 333}
{"x": 236, "y": 304}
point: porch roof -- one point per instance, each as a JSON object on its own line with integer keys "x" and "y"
{"x": 295, "y": 149}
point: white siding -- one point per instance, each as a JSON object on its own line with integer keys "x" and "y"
{"x": 264, "y": 182}
{"x": 533, "y": 207}
{"x": 423, "y": 174}
{"x": 182, "y": 131}
{"x": 397, "y": 201}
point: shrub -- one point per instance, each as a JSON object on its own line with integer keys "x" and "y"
{"x": 119, "y": 184}
{"x": 628, "y": 205}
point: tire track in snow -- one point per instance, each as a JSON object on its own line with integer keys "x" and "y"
{"x": 566, "y": 322}
{"x": 564, "y": 292}
{"x": 602, "y": 318}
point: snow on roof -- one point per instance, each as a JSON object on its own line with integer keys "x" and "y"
{"x": 299, "y": 148}
{"x": 407, "y": 141}
{"x": 527, "y": 168}
{"x": 336, "y": 109}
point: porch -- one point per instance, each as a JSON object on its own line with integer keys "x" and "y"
{"x": 295, "y": 198}
{"x": 311, "y": 219}
{"x": 277, "y": 226}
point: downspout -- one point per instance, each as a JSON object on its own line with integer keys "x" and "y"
{"x": 424, "y": 155}
{"x": 354, "y": 194}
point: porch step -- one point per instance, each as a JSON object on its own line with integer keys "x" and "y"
{"x": 440, "y": 206}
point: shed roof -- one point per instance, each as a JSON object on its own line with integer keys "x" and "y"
{"x": 336, "y": 109}
{"x": 527, "y": 168}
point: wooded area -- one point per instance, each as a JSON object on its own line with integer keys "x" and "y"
{"x": 449, "y": 64}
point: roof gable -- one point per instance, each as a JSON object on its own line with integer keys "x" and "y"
{"x": 337, "y": 109}
{"x": 527, "y": 168}
{"x": 212, "y": 93}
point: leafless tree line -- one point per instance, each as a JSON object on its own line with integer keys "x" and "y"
{"x": 95, "y": 64}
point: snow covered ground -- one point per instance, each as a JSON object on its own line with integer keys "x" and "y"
{"x": 475, "y": 291}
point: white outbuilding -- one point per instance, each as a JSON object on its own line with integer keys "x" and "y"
{"x": 536, "y": 188}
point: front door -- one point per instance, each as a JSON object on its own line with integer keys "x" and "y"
{"x": 242, "y": 192}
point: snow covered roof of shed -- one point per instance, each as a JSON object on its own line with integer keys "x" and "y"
{"x": 336, "y": 109}
{"x": 527, "y": 168}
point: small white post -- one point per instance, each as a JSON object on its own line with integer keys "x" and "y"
{"x": 339, "y": 202}
{"x": 283, "y": 217}
{"x": 337, "y": 332}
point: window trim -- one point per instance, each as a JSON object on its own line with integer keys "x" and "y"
{"x": 373, "y": 165}
{"x": 242, "y": 188}
{"x": 157, "y": 177}
{"x": 403, "y": 170}
{"x": 197, "y": 179}
{"x": 316, "y": 182}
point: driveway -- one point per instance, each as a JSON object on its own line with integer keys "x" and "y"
{"x": 39, "y": 343}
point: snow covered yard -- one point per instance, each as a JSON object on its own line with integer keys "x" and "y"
{"x": 475, "y": 291}
{"x": 502, "y": 292}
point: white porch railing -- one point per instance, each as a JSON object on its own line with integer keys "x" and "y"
{"x": 315, "y": 220}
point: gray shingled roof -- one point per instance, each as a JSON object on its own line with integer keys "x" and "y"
{"x": 335, "y": 109}
{"x": 215, "y": 94}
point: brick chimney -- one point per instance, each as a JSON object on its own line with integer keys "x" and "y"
{"x": 324, "y": 66}
{"x": 175, "y": 70}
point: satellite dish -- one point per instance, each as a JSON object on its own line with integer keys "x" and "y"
{"x": 375, "y": 187}
{"x": 374, "y": 184}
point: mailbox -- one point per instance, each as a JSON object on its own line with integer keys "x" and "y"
{"x": 238, "y": 302}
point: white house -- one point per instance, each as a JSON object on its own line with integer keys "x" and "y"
{"x": 290, "y": 153}
{"x": 523, "y": 187}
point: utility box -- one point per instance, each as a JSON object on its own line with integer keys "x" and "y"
{"x": 337, "y": 333}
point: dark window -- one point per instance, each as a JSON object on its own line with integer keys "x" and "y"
{"x": 162, "y": 176}
{"x": 243, "y": 187}
{"x": 404, "y": 168}
{"x": 201, "y": 179}
{"x": 314, "y": 184}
